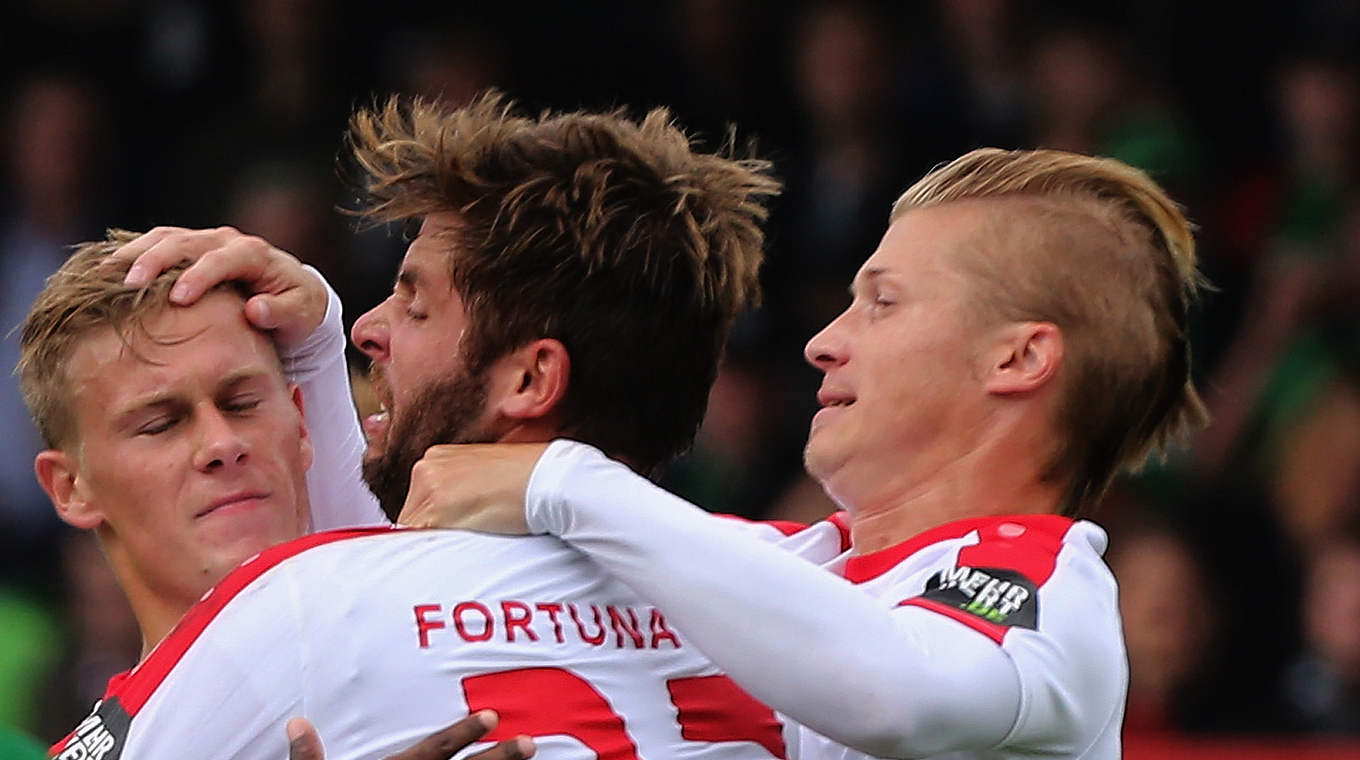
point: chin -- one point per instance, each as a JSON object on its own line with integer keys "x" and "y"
{"x": 815, "y": 460}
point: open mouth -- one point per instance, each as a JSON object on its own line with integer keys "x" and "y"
{"x": 375, "y": 425}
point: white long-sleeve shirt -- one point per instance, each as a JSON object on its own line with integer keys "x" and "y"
{"x": 335, "y": 485}
{"x": 382, "y": 636}
{"x": 988, "y": 638}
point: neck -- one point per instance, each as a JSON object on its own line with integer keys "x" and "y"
{"x": 543, "y": 432}
{"x": 156, "y": 611}
{"x": 155, "y": 616}
{"x": 995, "y": 477}
{"x": 153, "y": 630}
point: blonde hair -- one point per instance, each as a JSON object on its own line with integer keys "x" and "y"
{"x": 1099, "y": 249}
{"x": 85, "y": 294}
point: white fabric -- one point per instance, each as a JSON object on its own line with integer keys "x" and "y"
{"x": 331, "y": 634}
{"x": 335, "y": 485}
{"x": 845, "y": 660}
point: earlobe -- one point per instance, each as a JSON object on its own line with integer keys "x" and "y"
{"x": 1026, "y": 358}
{"x": 59, "y": 477}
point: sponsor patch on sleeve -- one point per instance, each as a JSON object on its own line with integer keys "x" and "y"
{"x": 101, "y": 736}
{"x": 992, "y": 595}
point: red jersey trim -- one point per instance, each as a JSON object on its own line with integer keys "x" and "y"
{"x": 1025, "y": 543}
{"x": 133, "y": 688}
{"x": 987, "y": 628}
{"x": 842, "y": 522}
{"x": 839, "y": 520}
{"x": 787, "y": 527}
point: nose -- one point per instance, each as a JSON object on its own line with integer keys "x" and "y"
{"x": 827, "y": 348}
{"x": 220, "y": 445}
{"x": 370, "y": 332}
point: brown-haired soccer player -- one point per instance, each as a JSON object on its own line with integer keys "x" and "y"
{"x": 593, "y": 227}
{"x": 1018, "y": 337}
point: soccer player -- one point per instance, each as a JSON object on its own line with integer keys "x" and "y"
{"x": 177, "y": 439}
{"x": 552, "y": 252}
{"x": 1018, "y": 337}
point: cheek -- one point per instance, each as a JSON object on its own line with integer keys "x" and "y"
{"x": 146, "y": 475}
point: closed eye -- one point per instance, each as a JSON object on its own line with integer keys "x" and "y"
{"x": 241, "y": 404}
{"x": 157, "y": 426}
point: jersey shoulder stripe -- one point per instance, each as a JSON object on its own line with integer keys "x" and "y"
{"x": 839, "y": 524}
{"x": 128, "y": 691}
{"x": 1023, "y": 543}
{"x": 135, "y": 687}
{"x": 993, "y": 585}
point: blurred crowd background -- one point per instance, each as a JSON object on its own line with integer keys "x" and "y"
{"x": 1238, "y": 557}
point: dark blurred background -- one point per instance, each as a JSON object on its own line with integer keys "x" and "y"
{"x": 1239, "y": 557}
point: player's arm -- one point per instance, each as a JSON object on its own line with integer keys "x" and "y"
{"x": 304, "y": 744}
{"x": 296, "y": 305}
{"x": 335, "y": 485}
{"x": 891, "y": 683}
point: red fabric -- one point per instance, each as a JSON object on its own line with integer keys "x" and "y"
{"x": 987, "y": 628}
{"x": 136, "y": 686}
{"x": 543, "y": 701}
{"x": 1040, "y": 538}
{"x": 787, "y": 527}
{"x": 716, "y": 709}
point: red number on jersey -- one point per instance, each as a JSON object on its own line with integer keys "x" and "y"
{"x": 716, "y": 709}
{"x": 709, "y": 709}
{"x": 539, "y": 701}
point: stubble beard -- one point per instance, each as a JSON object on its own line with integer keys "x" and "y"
{"x": 445, "y": 412}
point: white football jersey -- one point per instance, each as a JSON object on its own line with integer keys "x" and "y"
{"x": 986, "y": 638}
{"x": 383, "y": 636}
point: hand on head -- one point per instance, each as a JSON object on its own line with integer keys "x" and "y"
{"x": 286, "y": 299}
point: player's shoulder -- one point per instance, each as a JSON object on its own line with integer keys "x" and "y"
{"x": 993, "y": 573}
{"x": 1035, "y": 546}
{"x": 1027, "y": 544}
{"x": 127, "y": 692}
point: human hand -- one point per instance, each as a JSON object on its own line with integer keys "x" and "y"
{"x": 304, "y": 744}
{"x": 287, "y": 300}
{"x": 472, "y": 486}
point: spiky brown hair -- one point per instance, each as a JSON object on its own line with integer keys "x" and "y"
{"x": 614, "y": 236}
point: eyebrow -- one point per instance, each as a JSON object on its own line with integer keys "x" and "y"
{"x": 408, "y": 277}
{"x": 866, "y": 276}
{"x": 169, "y": 398}
{"x": 244, "y": 374}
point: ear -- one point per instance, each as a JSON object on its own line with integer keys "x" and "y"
{"x": 60, "y": 477}
{"x": 304, "y": 438}
{"x": 532, "y": 380}
{"x": 1024, "y": 358}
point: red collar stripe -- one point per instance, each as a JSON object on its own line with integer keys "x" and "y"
{"x": 135, "y": 687}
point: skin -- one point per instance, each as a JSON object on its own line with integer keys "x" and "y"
{"x": 930, "y": 412}
{"x": 189, "y": 455}
{"x": 414, "y": 336}
{"x": 930, "y": 415}
{"x": 304, "y": 744}
{"x": 420, "y": 376}
{"x": 289, "y": 303}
